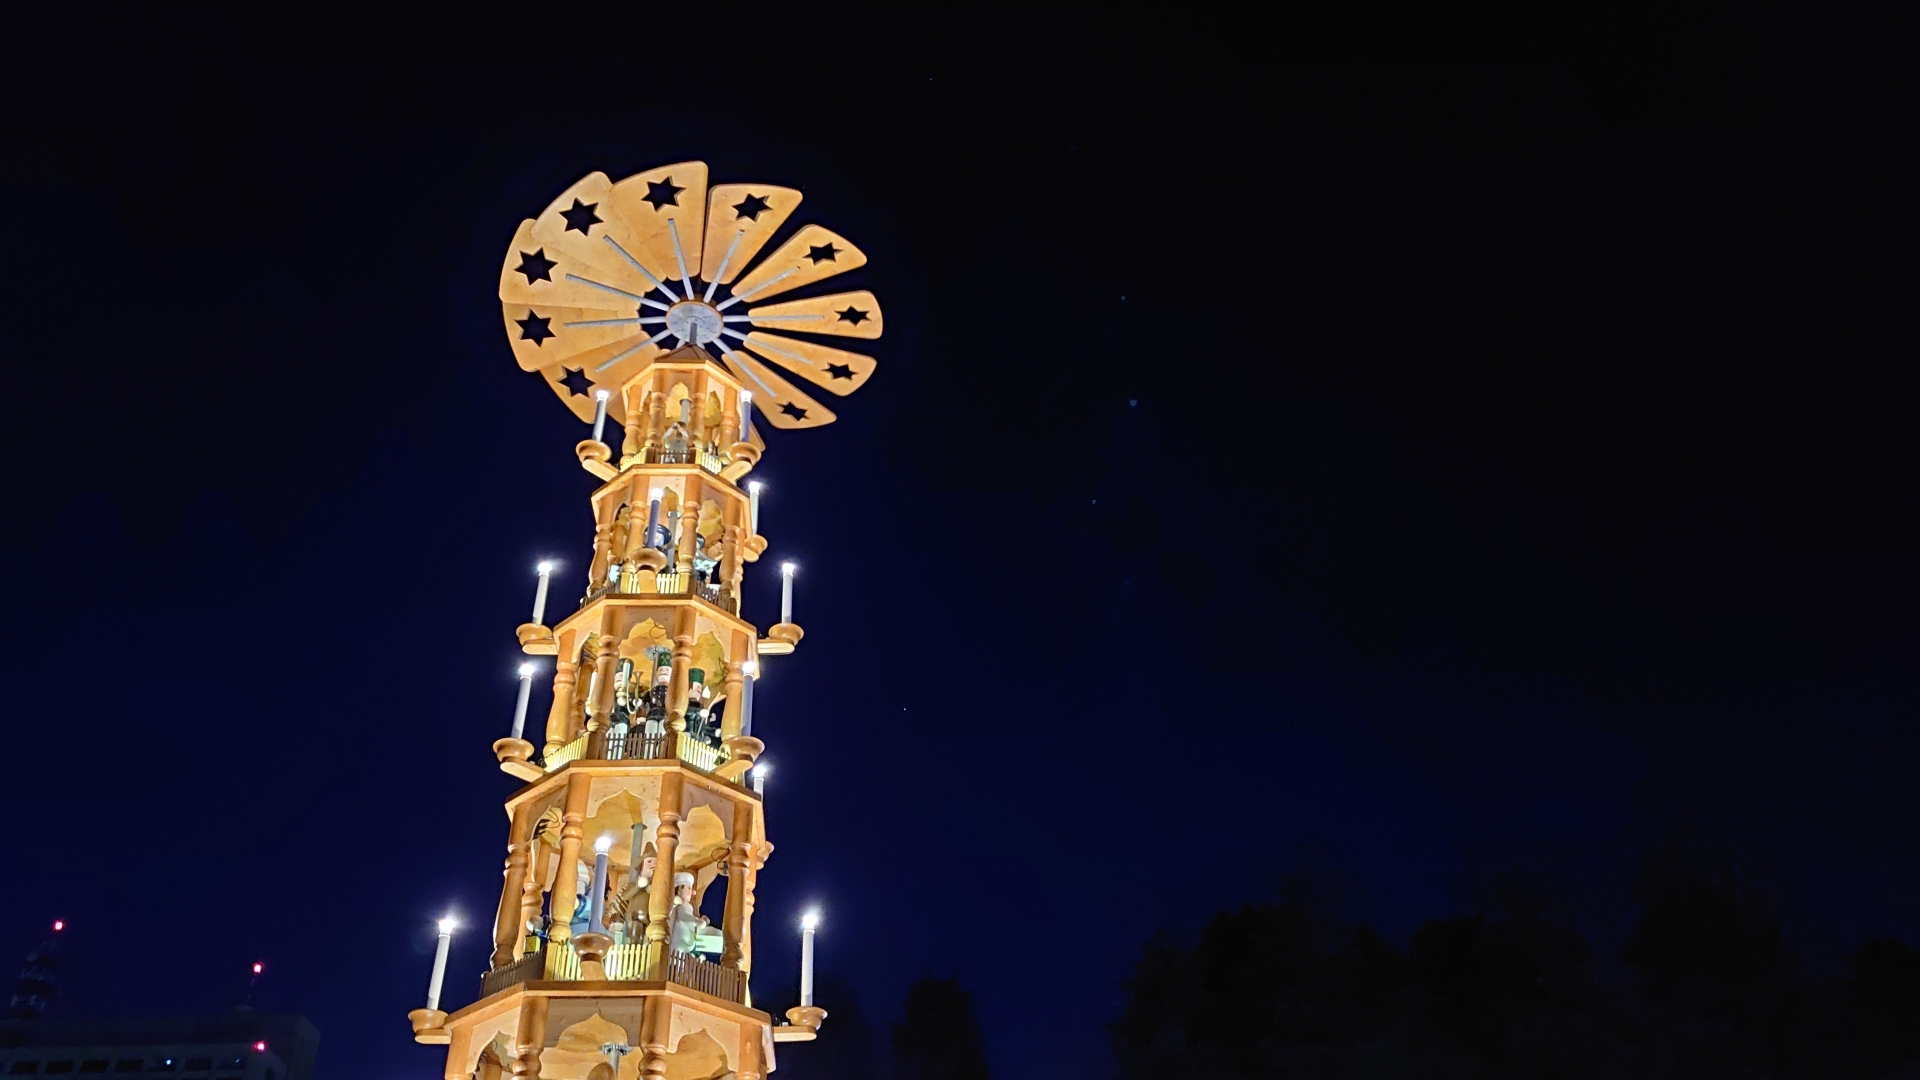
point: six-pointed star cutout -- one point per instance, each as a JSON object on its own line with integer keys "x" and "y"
{"x": 536, "y": 266}
{"x": 750, "y": 208}
{"x": 534, "y": 328}
{"x": 580, "y": 216}
{"x": 840, "y": 371}
{"x": 576, "y": 382}
{"x": 852, "y": 315}
{"x": 822, "y": 253}
{"x": 793, "y": 410}
{"x": 665, "y": 193}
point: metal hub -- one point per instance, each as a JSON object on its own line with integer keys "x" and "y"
{"x": 691, "y": 320}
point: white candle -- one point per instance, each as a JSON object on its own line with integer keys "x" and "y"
{"x": 597, "y": 900}
{"x": 807, "y": 924}
{"x": 599, "y": 414}
{"x": 440, "y": 963}
{"x": 786, "y": 591}
{"x": 753, "y": 507}
{"x": 746, "y": 414}
{"x": 653, "y": 517}
{"x": 760, "y": 779}
{"x": 540, "y": 594}
{"x": 748, "y": 672}
{"x": 520, "y": 707}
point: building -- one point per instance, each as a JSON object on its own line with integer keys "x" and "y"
{"x": 239, "y": 1046}
{"x": 625, "y": 924}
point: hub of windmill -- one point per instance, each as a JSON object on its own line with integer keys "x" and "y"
{"x": 696, "y": 320}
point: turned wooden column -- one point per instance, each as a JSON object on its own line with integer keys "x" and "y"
{"x": 660, "y": 895}
{"x": 656, "y": 1025}
{"x": 602, "y": 554}
{"x": 530, "y": 891}
{"x": 689, "y": 524}
{"x": 656, "y": 418}
{"x": 739, "y": 860}
{"x": 753, "y": 1057}
{"x": 736, "y": 695}
{"x": 637, "y": 503}
{"x": 560, "y": 713}
{"x": 684, "y": 622}
{"x": 566, "y": 875}
{"x": 508, "y": 934}
{"x": 635, "y": 434}
{"x": 606, "y": 658}
{"x": 759, "y": 860}
{"x": 531, "y": 1038}
{"x": 731, "y": 564}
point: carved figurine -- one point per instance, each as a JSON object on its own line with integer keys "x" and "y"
{"x": 683, "y": 922}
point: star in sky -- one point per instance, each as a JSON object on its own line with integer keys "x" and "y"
{"x": 823, "y": 253}
{"x": 793, "y": 410}
{"x": 580, "y": 217}
{"x": 852, "y": 315}
{"x": 534, "y": 328}
{"x": 535, "y": 265}
{"x": 665, "y": 193}
{"x": 576, "y": 382}
{"x": 750, "y": 208}
{"x": 840, "y": 371}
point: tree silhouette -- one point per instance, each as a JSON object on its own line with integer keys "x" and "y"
{"x": 1708, "y": 988}
{"x": 938, "y": 1038}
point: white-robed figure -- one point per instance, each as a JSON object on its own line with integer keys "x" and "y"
{"x": 683, "y": 922}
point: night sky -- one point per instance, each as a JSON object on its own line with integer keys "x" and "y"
{"x": 1404, "y": 447}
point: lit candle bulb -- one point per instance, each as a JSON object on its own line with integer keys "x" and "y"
{"x": 520, "y": 707}
{"x": 808, "y": 924}
{"x": 786, "y": 591}
{"x": 597, "y": 900}
{"x": 749, "y": 671}
{"x": 440, "y": 963}
{"x": 540, "y": 593}
{"x": 753, "y": 507}
{"x": 599, "y": 413}
{"x": 746, "y": 414}
{"x": 760, "y": 772}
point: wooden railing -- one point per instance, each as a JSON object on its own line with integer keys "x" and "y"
{"x": 722, "y": 982}
{"x": 636, "y": 745}
{"x": 672, "y": 584}
{"x": 628, "y": 963}
{"x": 711, "y": 460}
{"x": 525, "y": 969}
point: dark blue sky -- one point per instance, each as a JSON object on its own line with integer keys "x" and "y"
{"x": 1403, "y": 449}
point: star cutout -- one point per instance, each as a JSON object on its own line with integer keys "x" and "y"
{"x": 534, "y": 328}
{"x": 793, "y": 410}
{"x": 535, "y": 265}
{"x": 840, "y": 371}
{"x": 662, "y": 194}
{"x": 852, "y": 315}
{"x": 750, "y": 208}
{"x": 576, "y": 382}
{"x": 580, "y": 217}
{"x": 823, "y": 253}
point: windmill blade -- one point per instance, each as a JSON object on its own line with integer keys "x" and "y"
{"x": 775, "y": 399}
{"x": 538, "y": 274}
{"x": 741, "y": 218}
{"x": 847, "y": 314}
{"x": 665, "y": 210}
{"x": 573, "y": 386}
{"x": 585, "y": 228}
{"x": 831, "y": 369}
{"x": 813, "y": 254}
{"x": 542, "y": 336}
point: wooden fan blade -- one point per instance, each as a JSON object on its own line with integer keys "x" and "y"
{"x": 775, "y": 400}
{"x": 831, "y": 369}
{"x": 542, "y": 336}
{"x": 813, "y": 254}
{"x": 847, "y": 314}
{"x": 741, "y": 218}
{"x": 574, "y": 388}
{"x": 538, "y": 274}
{"x": 659, "y": 205}
{"x": 584, "y": 227}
